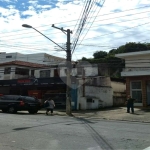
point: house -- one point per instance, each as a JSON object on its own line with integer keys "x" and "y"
{"x": 96, "y": 93}
{"x": 40, "y": 58}
{"x": 18, "y": 69}
{"x": 137, "y": 74}
{"x": 21, "y": 78}
{"x": 21, "y": 74}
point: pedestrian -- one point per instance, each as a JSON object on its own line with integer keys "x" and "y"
{"x": 130, "y": 104}
{"x": 49, "y": 106}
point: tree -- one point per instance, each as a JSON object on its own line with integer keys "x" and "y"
{"x": 132, "y": 47}
{"x": 84, "y": 58}
{"x": 100, "y": 54}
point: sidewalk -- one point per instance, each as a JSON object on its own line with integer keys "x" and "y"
{"x": 118, "y": 113}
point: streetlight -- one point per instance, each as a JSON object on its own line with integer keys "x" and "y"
{"x": 28, "y": 26}
{"x": 68, "y": 51}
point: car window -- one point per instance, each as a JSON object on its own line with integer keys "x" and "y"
{"x": 11, "y": 97}
{"x": 2, "y": 97}
{"x": 30, "y": 99}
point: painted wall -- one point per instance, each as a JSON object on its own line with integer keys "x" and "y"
{"x": 99, "y": 95}
{"x": 102, "y": 93}
{"x": 118, "y": 86}
{"x": 91, "y": 71}
{"x": 136, "y": 64}
{"x": 12, "y": 75}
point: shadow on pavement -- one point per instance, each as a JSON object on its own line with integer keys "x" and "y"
{"x": 21, "y": 113}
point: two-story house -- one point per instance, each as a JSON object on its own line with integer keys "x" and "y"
{"x": 137, "y": 74}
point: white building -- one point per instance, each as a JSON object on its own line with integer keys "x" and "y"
{"x": 40, "y": 58}
{"x": 18, "y": 69}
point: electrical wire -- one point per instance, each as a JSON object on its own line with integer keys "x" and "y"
{"x": 82, "y": 24}
{"x": 60, "y": 32}
{"x": 91, "y": 24}
{"x": 117, "y": 31}
{"x": 93, "y": 16}
{"x": 80, "y": 15}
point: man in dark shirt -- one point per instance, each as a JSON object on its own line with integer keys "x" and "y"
{"x": 130, "y": 104}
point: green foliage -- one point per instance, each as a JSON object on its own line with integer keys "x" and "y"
{"x": 84, "y": 58}
{"x": 132, "y": 47}
{"x": 115, "y": 65}
{"x": 100, "y": 54}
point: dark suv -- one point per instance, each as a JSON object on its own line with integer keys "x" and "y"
{"x": 14, "y": 103}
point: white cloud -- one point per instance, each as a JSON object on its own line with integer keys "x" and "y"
{"x": 11, "y": 6}
{"x": 44, "y": 6}
{"x": 66, "y": 13}
{"x": 6, "y": 1}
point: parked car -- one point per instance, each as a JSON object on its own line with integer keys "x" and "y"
{"x": 14, "y": 103}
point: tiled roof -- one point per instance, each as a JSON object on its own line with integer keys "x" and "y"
{"x": 23, "y": 63}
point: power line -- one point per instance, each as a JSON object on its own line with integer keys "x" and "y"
{"x": 58, "y": 32}
{"x": 91, "y": 24}
{"x": 80, "y": 15}
{"x": 85, "y": 23}
{"x": 130, "y": 35}
{"x": 78, "y": 19}
{"x": 81, "y": 44}
{"x": 35, "y": 48}
{"x": 117, "y": 31}
{"x": 100, "y": 15}
{"x": 83, "y": 20}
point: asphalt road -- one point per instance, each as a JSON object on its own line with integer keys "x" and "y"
{"x": 23, "y": 131}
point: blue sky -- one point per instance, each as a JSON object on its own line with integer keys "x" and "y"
{"x": 114, "y": 24}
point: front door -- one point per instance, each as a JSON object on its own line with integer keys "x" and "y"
{"x": 148, "y": 93}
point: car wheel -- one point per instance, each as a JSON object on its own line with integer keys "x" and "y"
{"x": 4, "y": 110}
{"x": 12, "y": 110}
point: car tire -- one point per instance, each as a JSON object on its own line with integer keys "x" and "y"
{"x": 4, "y": 110}
{"x": 12, "y": 110}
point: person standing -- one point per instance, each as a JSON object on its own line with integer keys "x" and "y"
{"x": 130, "y": 104}
{"x": 50, "y": 106}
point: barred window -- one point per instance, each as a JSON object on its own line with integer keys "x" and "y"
{"x": 7, "y": 70}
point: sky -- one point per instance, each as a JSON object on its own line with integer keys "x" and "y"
{"x": 109, "y": 25}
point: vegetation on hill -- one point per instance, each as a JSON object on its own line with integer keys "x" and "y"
{"x": 115, "y": 65}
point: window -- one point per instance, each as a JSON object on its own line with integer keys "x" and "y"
{"x": 30, "y": 99}
{"x": 136, "y": 91}
{"x": 7, "y": 70}
{"x": 65, "y": 70}
{"x": 45, "y": 74}
{"x": 32, "y": 72}
{"x": 79, "y": 70}
{"x": 89, "y": 100}
{"x": 8, "y": 56}
{"x": 56, "y": 72}
{"x": 22, "y": 71}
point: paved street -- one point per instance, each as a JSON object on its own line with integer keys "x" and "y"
{"x": 23, "y": 131}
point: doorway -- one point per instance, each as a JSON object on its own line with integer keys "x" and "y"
{"x": 148, "y": 93}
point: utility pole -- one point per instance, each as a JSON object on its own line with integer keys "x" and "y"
{"x": 68, "y": 51}
{"x": 83, "y": 78}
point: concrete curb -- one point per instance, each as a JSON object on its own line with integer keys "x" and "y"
{"x": 93, "y": 117}
{"x": 141, "y": 121}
